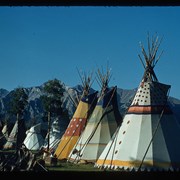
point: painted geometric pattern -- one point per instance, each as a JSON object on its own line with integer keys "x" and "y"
{"x": 75, "y": 127}
{"x": 70, "y": 137}
{"x": 150, "y": 98}
{"x": 140, "y": 126}
{"x": 99, "y": 129}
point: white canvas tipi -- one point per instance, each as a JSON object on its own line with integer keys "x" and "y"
{"x": 5, "y": 131}
{"x": 148, "y": 138}
{"x": 34, "y": 139}
{"x": 100, "y": 126}
{"x": 55, "y": 135}
{"x": 11, "y": 141}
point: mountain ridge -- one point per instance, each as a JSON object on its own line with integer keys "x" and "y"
{"x": 35, "y": 109}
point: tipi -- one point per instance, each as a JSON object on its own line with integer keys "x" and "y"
{"x": 16, "y": 136}
{"x": 148, "y": 138}
{"x": 78, "y": 122}
{"x": 12, "y": 138}
{"x": 55, "y": 135}
{"x": 5, "y": 131}
{"x": 2, "y": 136}
{"x": 34, "y": 139}
{"x": 100, "y": 126}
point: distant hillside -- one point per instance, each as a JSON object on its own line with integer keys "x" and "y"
{"x": 35, "y": 109}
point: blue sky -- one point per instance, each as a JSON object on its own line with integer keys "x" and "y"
{"x": 38, "y": 44}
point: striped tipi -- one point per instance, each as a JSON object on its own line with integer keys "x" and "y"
{"x": 78, "y": 122}
{"x": 100, "y": 126}
{"x": 148, "y": 138}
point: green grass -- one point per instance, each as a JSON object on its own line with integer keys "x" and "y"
{"x": 68, "y": 166}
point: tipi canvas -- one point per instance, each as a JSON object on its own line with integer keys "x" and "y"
{"x": 78, "y": 122}
{"x": 55, "y": 135}
{"x": 12, "y": 138}
{"x": 148, "y": 138}
{"x": 5, "y": 131}
{"x": 100, "y": 126}
{"x": 34, "y": 139}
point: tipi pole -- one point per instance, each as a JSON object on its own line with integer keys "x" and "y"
{"x": 114, "y": 139}
{"x": 75, "y": 129}
{"x": 72, "y": 100}
{"x": 49, "y": 123}
{"x": 94, "y": 130}
{"x": 153, "y": 135}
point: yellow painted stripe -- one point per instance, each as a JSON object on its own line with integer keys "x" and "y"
{"x": 101, "y": 162}
{"x": 65, "y": 146}
{"x": 81, "y": 111}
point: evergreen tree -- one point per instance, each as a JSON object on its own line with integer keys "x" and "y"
{"x": 52, "y": 101}
{"x": 18, "y": 104}
{"x": 52, "y": 98}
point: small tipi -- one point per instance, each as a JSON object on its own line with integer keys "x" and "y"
{"x": 2, "y": 136}
{"x": 55, "y": 135}
{"x": 16, "y": 136}
{"x": 5, "y": 131}
{"x": 34, "y": 139}
{"x": 148, "y": 138}
{"x": 100, "y": 126}
{"x": 12, "y": 138}
{"x": 78, "y": 122}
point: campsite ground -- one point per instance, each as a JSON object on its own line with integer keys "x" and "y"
{"x": 76, "y": 171}
{"x": 85, "y": 171}
{"x": 67, "y": 166}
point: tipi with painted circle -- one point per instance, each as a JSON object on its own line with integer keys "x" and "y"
{"x": 149, "y": 136}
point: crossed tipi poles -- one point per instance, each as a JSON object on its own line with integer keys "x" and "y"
{"x": 101, "y": 124}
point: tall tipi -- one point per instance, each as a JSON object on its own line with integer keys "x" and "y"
{"x": 78, "y": 122}
{"x": 148, "y": 138}
{"x": 100, "y": 126}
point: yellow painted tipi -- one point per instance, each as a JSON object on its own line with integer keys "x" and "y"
{"x": 78, "y": 122}
{"x": 100, "y": 126}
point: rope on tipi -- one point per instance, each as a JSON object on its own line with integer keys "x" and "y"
{"x": 114, "y": 139}
{"x": 103, "y": 80}
{"x": 149, "y": 74}
{"x": 94, "y": 130}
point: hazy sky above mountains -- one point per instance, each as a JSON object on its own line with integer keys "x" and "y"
{"x": 38, "y": 44}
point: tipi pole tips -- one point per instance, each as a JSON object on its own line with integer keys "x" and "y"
{"x": 150, "y": 59}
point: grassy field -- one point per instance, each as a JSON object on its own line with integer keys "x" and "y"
{"x": 67, "y": 166}
{"x": 86, "y": 171}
